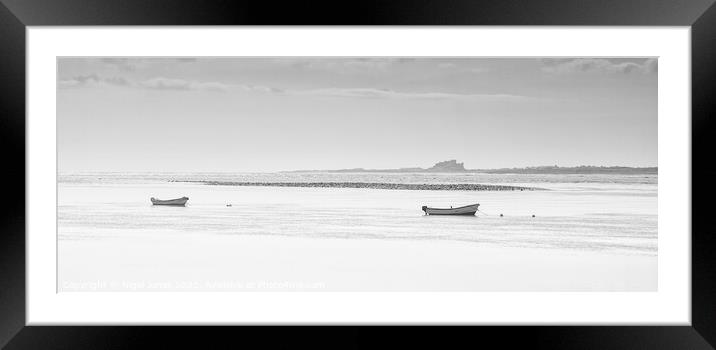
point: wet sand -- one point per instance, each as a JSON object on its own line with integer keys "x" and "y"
{"x": 190, "y": 262}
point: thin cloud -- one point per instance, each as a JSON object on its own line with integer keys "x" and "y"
{"x": 601, "y": 65}
{"x": 452, "y": 67}
{"x": 264, "y": 89}
{"x": 121, "y": 63}
{"x": 372, "y": 93}
{"x": 186, "y": 59}
{"x": 93, "y": 80}
{"x": 169, "y": 84}
{"x": 345, "y": 65}
{"x": 159, "y": 83}
{"x": 651, "y": 65}
{"x": 477, "y": 70}
{"x": 131, "y": 64}
{"x": 162, "y": 83}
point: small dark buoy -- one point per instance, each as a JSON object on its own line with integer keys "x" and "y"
{"x": 533, "y": 215}
{"x": 500, "y": 215}
{"x": 228, "y": 205}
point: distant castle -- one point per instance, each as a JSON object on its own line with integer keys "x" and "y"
{"x": 452, "y": 166}
{"x": 447, "y": 166}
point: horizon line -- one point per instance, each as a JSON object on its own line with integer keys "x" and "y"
{"x": 356, "y": 168}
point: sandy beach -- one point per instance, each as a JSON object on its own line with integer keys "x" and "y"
{"x": 260, "y": 263}
{"x": 584, "y": 237}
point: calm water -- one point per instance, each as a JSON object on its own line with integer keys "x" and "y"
{"x": 615, "y": 213}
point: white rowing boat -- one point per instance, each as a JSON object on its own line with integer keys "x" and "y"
{"x": 464, "y": 210}
{"x": 177, "y": 202}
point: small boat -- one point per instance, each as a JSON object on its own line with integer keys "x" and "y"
{"x": 464, "y": 210}
{"x": 177, "y": 202}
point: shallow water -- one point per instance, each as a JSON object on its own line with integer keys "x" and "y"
{"x": 608, "y": 213}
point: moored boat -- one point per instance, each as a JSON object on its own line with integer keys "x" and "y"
{"x": 177, "y": 202}
{"x": 464, "y": 210}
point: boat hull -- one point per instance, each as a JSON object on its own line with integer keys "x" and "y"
{"x": 464, "y": 210}
{"x": 179, "y": 202}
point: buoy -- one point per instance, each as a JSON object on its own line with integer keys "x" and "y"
{"x": 500, "y": 215}
{"x": 228, "y": 205}
{"x": 533, "y": 215}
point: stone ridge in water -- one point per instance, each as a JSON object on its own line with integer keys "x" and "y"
{"x": 375, "y": 185}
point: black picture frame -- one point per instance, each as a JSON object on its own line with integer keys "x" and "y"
{"x": 16, "y": 15}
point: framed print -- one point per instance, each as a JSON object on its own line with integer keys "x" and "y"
{"x": 518, "y": 172}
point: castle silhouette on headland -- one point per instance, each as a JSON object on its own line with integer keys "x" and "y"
{"x": 452, "y": 166}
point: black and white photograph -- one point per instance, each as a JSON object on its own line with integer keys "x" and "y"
{"x": 357, "y": 174}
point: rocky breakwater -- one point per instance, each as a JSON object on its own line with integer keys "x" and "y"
{"x": 376, "y": 185}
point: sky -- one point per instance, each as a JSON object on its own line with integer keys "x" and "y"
{"x": 262, "y": 114}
